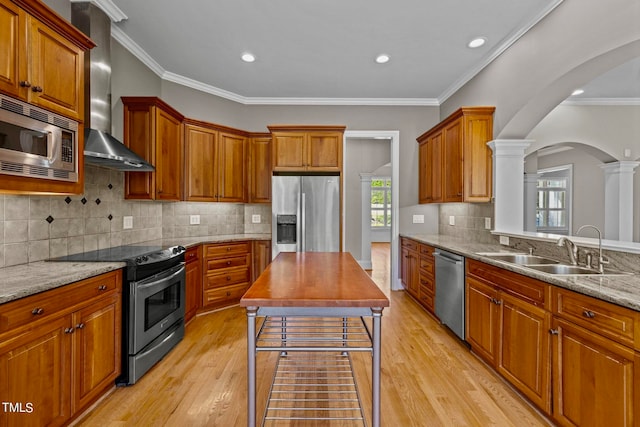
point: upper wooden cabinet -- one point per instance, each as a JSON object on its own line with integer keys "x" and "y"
{"x": 260, "y": 168}
{"x": 153, "y": 130}
{"x": 455, "y": 161}
{"x": 216, "y": 163}
{"x": 307, "y": 148}
{"x": 42, "y": 57}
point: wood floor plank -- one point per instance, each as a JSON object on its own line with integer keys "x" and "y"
{"x": 429, "y": 377}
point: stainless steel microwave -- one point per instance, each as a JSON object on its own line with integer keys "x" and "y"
{"x": 36, "y": 143}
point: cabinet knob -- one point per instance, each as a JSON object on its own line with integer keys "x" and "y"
{"x": 80, "y": 326}
{"x": 228, "y": 262}
{"x": 228, "y": 278}
{"x": 69, "y": 330}
{"x": 37, "y": 89}
{"x": 228, "y": 294}
{"x": 228, "y": 249}
{"x": 25, "y": 83}
{"x": 37, "y": 311}
{"x": 102, "y": 287}
{"x": 588, "y": 314}
{"x": 553, "y": 331}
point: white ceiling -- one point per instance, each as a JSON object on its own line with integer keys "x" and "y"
{"x": 312, "y": 51}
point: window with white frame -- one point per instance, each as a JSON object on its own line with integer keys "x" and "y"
{"x": 553, "y": 205}
{"x": 380, "y": 203}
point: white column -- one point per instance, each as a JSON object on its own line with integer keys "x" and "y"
{"x": 530, "y": 201}
{"x": 365, "y": 216}
{"x": 618, "y": 200}
{"x": 508, "y": 187}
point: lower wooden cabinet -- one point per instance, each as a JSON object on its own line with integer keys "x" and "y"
{"x": 426, "y": 278}
{"x": 409, "y": 266}
{"x": 193, "y": 280}
{"x": 61, "y": 352}
{"x": 261, "y": 255}
{"x": 227, "y": 273}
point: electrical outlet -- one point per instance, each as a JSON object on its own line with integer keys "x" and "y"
{"x": 487, "y": 223}
{"x": 127, "y": 222}
{"x": 452, "y": 220}
{"x": 256, "y": 219}
{"x": 504, "y": 240}
{"x": 418, "y": 219}
{"x": 194, "y": 219}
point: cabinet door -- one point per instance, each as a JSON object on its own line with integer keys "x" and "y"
{"x": 452, "y": 159}
{"x": 482, "y": 319}
{"x": 193, "y": 283}
{"x": 287, "y": 151}
{"x": 424, "y": 174}
{"x": 138, "y": 137}
{"x": 97, "y": 343}
{"x": 57, "y": 67}
{"x": 434, "y": 161}
{"x": 168, "y": 156}
{"x": 13, "y": 52}
{"x": 35, "y": 373}
{"x": 231, "y": 168}
{"x": 260, "y": 170}
{"x": 200, "y": 155}
{"x": 324, "y": 151}
{"x": 261, "y": 256}
{"x": 524, "y": 347}
{"x": 478, "y": 159}
{"x": 593, "y": 379}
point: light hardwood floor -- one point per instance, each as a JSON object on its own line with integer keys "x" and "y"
{"x": 429, "y": 378}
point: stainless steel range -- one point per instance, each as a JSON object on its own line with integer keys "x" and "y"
{"x": 153, "y": 298}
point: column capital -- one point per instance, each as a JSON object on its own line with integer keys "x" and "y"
{"x": 531, "y": 177}
{"x": 365, "y": 176}
{"x": 509, "y": 147}
{"x": 621, "y": 166}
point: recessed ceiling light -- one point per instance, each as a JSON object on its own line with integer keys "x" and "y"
{"x": 382, "y": 59}
{"x": 577, "y": 92}
{"x": 248, "y": 57}
{"x": 477, "y": 42}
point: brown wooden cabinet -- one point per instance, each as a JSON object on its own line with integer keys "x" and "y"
{"x": 409, "y": 266}
{"x": 507, "y": 324}
{"x": 306, "y": 148}
{"x": 60, "y": 349}
{"x": 42, "y": 57}
{"x": 227, "y": 273}
{"x": 261, "y": 255}
{"x": 426, "y": 278}
{"x": 153, "y": 130}
{"x": 215, "y": 163}
{"x": 596, "y": 372}
{"x": 260, "y": 168}
{"x": 455, "y": 162}
{"x": 193, "y": 282}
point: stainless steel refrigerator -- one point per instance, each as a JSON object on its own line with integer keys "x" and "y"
{"x": 305, "y": 214}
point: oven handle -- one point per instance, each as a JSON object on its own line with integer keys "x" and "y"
{"x": 164, "y": 276}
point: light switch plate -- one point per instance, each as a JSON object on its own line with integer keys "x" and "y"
{"x": 504, "y": 240}
{"x": 418, "y": 219}
{"x": 487, "y": 223}
{"x": 127, "y": 222}
{"x": 452, "y": 220}
{"x": 256, "y": 219}
{"x": 194, "y": 219}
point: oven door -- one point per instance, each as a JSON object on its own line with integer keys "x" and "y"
{"x": 156, "y": 303}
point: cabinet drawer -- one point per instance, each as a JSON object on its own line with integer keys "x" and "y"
{"x": 229, "y": 277}
{"x": 426, "y": 282}
{"x": 598, "y": 316}
{"x": 30, "y": 309}
{"x": 409, "y": 244}
{"x": 426, "y": 251}
{"x": 235, "y": 248}
{"x": 191, "y": 254}
{"x": 530, "y": 290}
{"x": 230, "y": 262}
{"x": 426, "y": 299}
{"x": 427, "y": 265}
{"x": 221, "y": 296}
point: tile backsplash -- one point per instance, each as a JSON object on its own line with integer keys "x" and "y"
{"x": 34, "y": 228}
{"x": 469, "y": 221}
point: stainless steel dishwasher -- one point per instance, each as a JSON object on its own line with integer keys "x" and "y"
{"x": 450, "y": 290}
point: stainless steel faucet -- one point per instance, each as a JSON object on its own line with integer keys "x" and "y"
{"x": 572, "y": 249}
{"x": 602, "y": 260}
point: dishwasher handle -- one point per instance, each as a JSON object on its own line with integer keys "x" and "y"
{"x": 446, "y": 258}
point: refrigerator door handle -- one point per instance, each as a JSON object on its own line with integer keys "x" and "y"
{"x": 303, "y": 237}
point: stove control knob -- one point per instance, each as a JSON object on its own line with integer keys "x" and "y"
{"x": 138, "y": 260}
{"x": 145, "y": 258}
{"x": 182, "y": 248}
{"x": 176, "y": 250}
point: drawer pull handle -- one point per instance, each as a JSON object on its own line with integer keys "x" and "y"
{"x": 228, "y": 249}
{"x": 37, "y": 311}
{"x": 102, "y": 287}
{"x": 228, "y": 278}
{"x": 588, "y": 314}
{"x": 228, "y": 262}
{"x": 80, "y": 326}
{"x": 228, "y": 294}
{"x": 553, "y": 331}
{"x": 69, "y": 330}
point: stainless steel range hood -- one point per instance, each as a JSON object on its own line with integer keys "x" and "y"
{"x": 100, "y": 148}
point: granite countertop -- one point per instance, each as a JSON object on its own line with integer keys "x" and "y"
{"x": 20, "y": 281}
{"x": 623, "y": 290}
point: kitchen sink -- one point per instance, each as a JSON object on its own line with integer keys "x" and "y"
{"x": 521, "y": 259}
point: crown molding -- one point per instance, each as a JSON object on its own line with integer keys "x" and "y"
{"x": 113, "y": 12}
{"x": 604, "y": 102}
{"x": 118, "y": 35}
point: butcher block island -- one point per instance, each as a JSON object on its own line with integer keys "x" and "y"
{"x": 315, "y": 308}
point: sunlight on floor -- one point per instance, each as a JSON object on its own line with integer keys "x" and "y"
{"x": 381, "y": 267}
